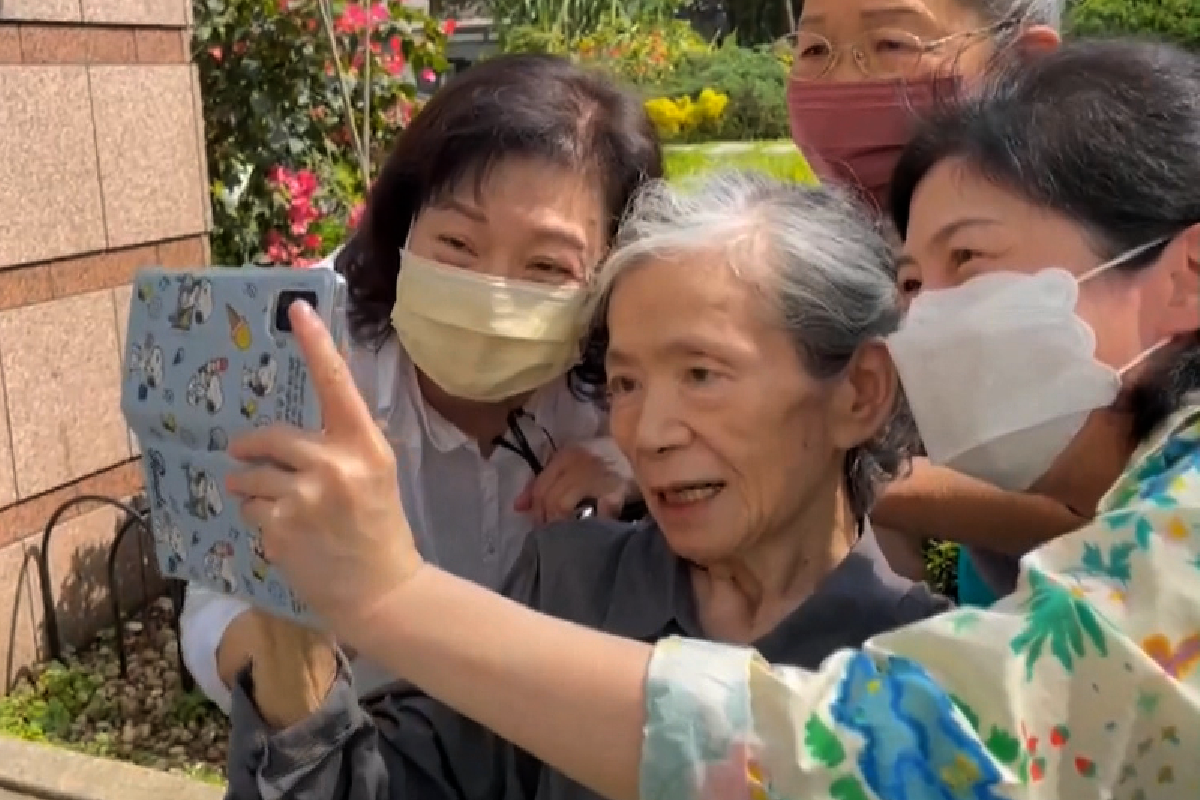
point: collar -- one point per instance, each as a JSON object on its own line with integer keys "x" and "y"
{"x": 659, "y": 599}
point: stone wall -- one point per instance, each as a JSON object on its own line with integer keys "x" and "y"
{"x": 101, "y": 171}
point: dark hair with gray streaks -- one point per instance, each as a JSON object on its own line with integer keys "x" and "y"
{"x": 830, "y": 280}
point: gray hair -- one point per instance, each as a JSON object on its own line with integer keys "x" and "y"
{"x": 1013, "y": 16}
{"x": 831, "y": 278}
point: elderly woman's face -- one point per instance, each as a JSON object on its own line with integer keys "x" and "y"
{"x": 858, "y": 40}
{"x": 528, "y": 219}
{"x": 728, "y": 437}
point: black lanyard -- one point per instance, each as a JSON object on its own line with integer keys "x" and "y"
{"x": 520, "y": 445}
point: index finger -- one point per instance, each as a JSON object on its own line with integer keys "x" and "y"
{"x": 343, "y": 411}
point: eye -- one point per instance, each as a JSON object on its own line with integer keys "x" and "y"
{"x": 620, "y": 384}
{"x": 453, "y": 242}
{"x": 814, "y": 50}
{"x": 553, "y": 268}
{"x": 961, "y": 256}
{"x": 700, "y": 375}
{"x": 910, "y": 286}
{"x": 896, "y": 43}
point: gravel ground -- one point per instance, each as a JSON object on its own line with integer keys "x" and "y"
{"x": 145, "y": 718}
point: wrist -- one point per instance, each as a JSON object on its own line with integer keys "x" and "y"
{"x": 293, "y": 670}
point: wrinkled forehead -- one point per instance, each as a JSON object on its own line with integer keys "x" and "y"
{"x": 847, "y": 16}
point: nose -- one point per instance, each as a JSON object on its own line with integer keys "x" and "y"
{"x": 660, "y": 425}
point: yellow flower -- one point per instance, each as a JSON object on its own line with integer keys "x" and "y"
{"x": 712, "y": 104}
{"x": 665, "y": 115}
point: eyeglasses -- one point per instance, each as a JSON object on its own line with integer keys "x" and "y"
{"x": 880, "y": 53}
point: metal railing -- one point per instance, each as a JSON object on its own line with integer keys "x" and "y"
{"x": 137, "y": 517}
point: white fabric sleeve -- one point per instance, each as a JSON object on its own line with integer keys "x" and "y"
{"x": 206, "y": 616}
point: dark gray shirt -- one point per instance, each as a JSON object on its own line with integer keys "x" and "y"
{"x": 623, "y": 579}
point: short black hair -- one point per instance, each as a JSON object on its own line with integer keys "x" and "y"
{"x": 537, "y": 106}
{"x": 1103, "y": 132}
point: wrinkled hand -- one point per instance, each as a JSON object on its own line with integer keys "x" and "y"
{"x": 327, "y": 503}
{"x": 293, "y": 668}
{"x": 572, "y": 475}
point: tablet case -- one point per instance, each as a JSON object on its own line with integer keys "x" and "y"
{"x": 205, "y": 360}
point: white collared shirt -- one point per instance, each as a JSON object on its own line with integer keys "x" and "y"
{"x": 459, "y": 504}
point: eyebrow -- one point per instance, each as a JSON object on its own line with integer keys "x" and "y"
{"x": 947, "y": 231}
{"x": 545, "y": 232}
{"x": 870, "y": 14}
{"x": 469, "y": 211}
{"x": 680, "y": 347}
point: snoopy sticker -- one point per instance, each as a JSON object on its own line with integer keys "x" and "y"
{"x": 259, "y": 380}
{"x": 218, "y": 566}
{"x": 170, "y": 540}
{"x": 194, "y": 305}
{"x": 259, "y": 563}
{"x": 204, "y": 388}
{"x": 204, "y": 499}
{"x": 157, "y": 470}
{"x": 147, "y": 362}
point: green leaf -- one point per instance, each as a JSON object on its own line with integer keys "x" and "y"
{"x": 1003, "y": 745}
{"x": 848, "y": 787}
{"x": 822, "y": 743}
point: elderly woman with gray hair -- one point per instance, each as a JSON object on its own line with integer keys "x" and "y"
{"x": 739, "y": 328}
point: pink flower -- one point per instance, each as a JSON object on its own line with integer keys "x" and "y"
{"x": 449, "y": 26}
{"x": 301, "y": 215}
{"x": 428, "y": 75}
{"x": 357, "y": 18}
{"x": 356, "y": 214}
{"x": 279, "y": 251}
{"x": 216, "y": 52}
{"x": 311, "y": 242}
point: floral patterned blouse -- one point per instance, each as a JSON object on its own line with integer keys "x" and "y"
{"x": 1083, "y": 684}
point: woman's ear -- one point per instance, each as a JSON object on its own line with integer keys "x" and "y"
{"x": 1182, "y": 314}
{"x": 866, "y": 396}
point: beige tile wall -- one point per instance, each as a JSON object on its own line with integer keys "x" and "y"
{"x": 102, "y": 171}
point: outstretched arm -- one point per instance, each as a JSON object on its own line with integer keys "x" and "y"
{"x": 939, "y": 503}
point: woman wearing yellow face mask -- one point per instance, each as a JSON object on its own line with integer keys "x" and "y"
{"x": 465, "y": 279}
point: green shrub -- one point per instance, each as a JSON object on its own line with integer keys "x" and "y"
{"x": 754, "y": 80}
{"x": 779, "y": 159}
{"x": 301, "y": 100}
{"x": 1174, "y": 20}
{"x": 941, "y": 567}
{"x": 554, "y": 26}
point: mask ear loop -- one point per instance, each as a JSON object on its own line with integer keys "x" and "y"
{"x": 1125, "y": 258}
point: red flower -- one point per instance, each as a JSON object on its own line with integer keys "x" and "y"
{"x": 449, "y": 26}
{"x": 311, "y": 242}
{"x": 356, "y": 214}
{"x": 216, "y": 52}
{"x": 279, "y": 251}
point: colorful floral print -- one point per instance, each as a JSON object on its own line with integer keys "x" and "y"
{"x": 1085, "y": 683}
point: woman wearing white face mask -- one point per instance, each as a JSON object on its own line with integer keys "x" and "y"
{"x": 465, "y": 281}
{"x": 1083, "y": 167}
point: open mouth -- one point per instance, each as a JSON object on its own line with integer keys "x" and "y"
{"x": 681, "y": 494}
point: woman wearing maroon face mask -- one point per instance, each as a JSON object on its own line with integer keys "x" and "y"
{"x": 863, "y": 69}
{"x": 862, "y": 72}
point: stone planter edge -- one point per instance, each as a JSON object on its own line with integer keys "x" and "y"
{"x": 46, "y": 772}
